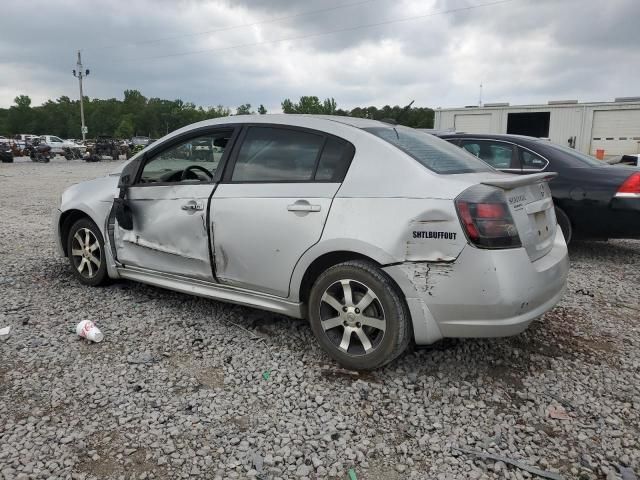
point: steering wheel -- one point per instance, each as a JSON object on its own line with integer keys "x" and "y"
{"x": 195, "y": 167}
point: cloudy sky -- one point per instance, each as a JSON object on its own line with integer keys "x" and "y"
{"x": 361, "y": 52}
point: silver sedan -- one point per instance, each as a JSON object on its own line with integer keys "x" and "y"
{"x": 379, "y": 235}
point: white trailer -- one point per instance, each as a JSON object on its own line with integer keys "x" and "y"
{"x": 613, "y": 127}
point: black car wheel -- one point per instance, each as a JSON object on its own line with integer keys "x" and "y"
{"x": 85, "y": 248}
{"x": 565, "y": 225}
{"x": 358, "y": 315}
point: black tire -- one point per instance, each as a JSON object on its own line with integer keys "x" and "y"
{"x": 364, "y": 278}
{"x": 91, "y": 274}
{"x": 565, "y": 225}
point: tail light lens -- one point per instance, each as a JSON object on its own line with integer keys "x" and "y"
{"x": 630, "y": 187}
{"x": 486, "y": 218}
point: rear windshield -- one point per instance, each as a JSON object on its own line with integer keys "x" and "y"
{"x": 585, "y": 160}
{"x": 432, "y": 152}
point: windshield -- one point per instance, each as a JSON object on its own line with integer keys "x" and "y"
{"x": 432, "y": 152}
{"x": 585, "y": 160}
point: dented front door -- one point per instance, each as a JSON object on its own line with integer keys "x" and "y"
{"x": 170, "y": 230}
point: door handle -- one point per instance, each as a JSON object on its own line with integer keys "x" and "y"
{"x": 303, "y": 206}
{"x": 192, "y": 206}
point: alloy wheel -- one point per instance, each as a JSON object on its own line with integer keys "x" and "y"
{"x": 86, "y": 253}
{"x": 352, "y": 317}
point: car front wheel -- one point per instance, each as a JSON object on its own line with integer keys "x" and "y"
{"x": 85, "y": 248}
{"x": 358, "y": 315}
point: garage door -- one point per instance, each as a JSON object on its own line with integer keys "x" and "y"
{"x": 617, "y": 132}
{"x": 478, "y": 123}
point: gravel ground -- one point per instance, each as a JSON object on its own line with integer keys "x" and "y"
{"x": 187, "y": 387}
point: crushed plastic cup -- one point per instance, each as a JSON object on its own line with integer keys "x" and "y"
{"x": 87, "y": 329}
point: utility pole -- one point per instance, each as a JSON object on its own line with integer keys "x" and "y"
{"x": 480, "y": 99}
{"x": 80, "y": 74}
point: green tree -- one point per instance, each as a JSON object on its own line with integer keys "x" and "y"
{"x": 310, "y": 104}
{"x": 125, "y": 128}
{"x": 288, "y": 106}
{"x": 20, "y": 118}
{"x": 262, "y": 110}
{"x": 244, "y": 109}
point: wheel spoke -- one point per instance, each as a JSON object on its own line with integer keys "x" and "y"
{"x": 90, "y": 268}
{"x": 76, "y": 253}
{"x": 366, "y": 343}
{"x": 346, "y": 288}
{"x": 95, "y": 260}
{"x": 82, "y": 264}
{"x": 332, "y": 301}
{"x": 374, "y": 322}
{"x": 86, "y": 237}
{"x": 366, "y": 300}
{"x": 79, "y": 239}
{"x": 94, "y": 247}
{"x": 331, "y": 323}
{"x": 346, "y": 339}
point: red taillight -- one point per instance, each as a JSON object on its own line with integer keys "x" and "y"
{"x": 630, "y": 187}
{"x": 467, "y": 220}
{"x": 490, "y": 210}
{"x": 486, "y": 218}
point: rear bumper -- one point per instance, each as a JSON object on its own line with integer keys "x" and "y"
{"x": 484, "y": 293}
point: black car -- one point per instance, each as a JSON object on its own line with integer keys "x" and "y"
{"x": 593, "y": 200}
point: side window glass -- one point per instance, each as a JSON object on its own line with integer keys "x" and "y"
{"x": 277, "y": 155}
{"x": 531, "y": 161}
{"x": 194, "y": 160}
{"x": 498, "y": 155}
{"x": 334, "y": 161}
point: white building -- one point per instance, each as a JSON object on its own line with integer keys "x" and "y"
{"x": 611, "y": 126}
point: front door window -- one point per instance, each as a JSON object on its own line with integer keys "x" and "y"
{"x": 191, "y": 161}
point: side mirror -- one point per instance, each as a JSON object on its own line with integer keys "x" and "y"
{"x": 121, "y": 207}
{"x": 128, "y": 174}
{"x": 123, "y": 214}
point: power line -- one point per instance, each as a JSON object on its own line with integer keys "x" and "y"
{"x": 234, "y": 27}
{"x": 319, "y": 34}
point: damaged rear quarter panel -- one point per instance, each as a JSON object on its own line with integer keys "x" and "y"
{"x": 407, "y": 229}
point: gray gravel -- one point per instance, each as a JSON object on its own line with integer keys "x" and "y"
{"x": 177, "y": 390}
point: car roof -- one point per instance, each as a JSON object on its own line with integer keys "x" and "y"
{"x": 292, "y": 119}
{"x": 497, "y": 136}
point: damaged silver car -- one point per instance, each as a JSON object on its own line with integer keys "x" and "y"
{"x": 378, "y": 234}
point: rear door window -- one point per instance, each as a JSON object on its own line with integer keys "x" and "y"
{"x": 434, "y": 153}
{"x": 499, "y": 155}
{"x": 334, "y": 161}
{"x": 273, "y": 154}
{"x": 531, "y": 161}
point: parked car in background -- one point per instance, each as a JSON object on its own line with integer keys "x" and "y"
{"x": 138, "y": 143}
{"x": 593, "y": 199}
{"x": 378, "y": 234}
{"x": 23, "y": 139}
{"x": 60, "y": 146}
{"x": 629, "y": 160}
{"x": 104, "y": 145}
{"x": 6, "y": 154}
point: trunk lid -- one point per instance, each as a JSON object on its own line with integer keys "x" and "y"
{"x": 529, "y": 200}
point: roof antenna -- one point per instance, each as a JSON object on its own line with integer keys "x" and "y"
{"x": 403, "y": 111}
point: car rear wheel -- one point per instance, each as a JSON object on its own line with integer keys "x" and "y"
{"x": 358, "y": 315}
{"x": 85, "y": 248}
{"x": 565, "y": 225}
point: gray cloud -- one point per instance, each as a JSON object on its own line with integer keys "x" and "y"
{"x": 523, "y": 51}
